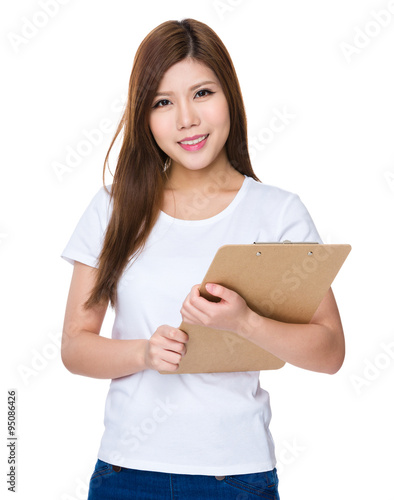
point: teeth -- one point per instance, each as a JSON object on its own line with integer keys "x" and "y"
{"x": 196, "y": 141}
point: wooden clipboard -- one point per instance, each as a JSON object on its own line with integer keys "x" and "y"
{"x": 283, "y": 281}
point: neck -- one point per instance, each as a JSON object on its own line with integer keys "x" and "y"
{"x": 221, "y": 173}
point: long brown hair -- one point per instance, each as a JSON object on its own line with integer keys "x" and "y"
{"x": 138, "y": 182}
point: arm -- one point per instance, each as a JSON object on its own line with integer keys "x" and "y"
{"x": 84, "y": 352}
{"x": 317, "y": 346}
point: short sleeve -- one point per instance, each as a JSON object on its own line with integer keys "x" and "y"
{"x": 87, "y": 239}
{"x": 296, "y": 223}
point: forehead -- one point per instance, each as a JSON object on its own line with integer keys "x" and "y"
{"x": 186, "y": 73}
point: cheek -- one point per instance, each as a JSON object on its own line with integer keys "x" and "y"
{"x": 159, "y": 127}
{"x": 155, "y": 128}
{"x": 219, "y": 116}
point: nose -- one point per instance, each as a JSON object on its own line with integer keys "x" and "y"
{"x": 187, "y": 115}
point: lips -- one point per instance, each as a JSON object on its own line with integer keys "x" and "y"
{"x": 194, "y": 144}
{"x": 191, "y": 141}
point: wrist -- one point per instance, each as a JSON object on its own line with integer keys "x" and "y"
{"x": 140, "y": 354}
{"x": 250, "y": 325}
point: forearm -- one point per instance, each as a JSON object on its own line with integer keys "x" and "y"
{"x": 99, "y": 357}
{"x": 309, "y": 346}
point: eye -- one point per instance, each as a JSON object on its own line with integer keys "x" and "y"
{"x": 164, "y": 102}
{"x": 159, "y": 105}
{"x": 204, "y": 90}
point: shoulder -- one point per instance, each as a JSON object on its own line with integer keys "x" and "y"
{"x": 102, "y": 198}
{"x": 99, "y": 208}
{"x": 281, "y": 213}
{"x": 274, "y": 202}
{"x": 269, "y": 194}
{"x": 103, "y": 195}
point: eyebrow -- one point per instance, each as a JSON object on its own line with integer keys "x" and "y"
{"x": 165, "y": 92}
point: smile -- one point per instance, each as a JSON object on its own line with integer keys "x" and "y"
{"x": 195, "y": 144}
{"x": 196, "y": 141}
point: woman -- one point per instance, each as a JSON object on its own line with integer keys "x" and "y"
{"x": 183, "y": 186}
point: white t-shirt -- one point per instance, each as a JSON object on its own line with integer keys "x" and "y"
{"x": 209, "y": 423}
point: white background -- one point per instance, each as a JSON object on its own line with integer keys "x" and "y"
{"x": 334, "y": 434}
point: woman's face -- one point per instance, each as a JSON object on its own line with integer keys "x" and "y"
{"x": 189, "y": 106}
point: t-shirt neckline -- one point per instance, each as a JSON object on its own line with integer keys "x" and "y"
{"x": 201, "y": 222}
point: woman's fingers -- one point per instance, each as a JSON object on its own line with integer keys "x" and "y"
{"x": 165, "y": 348}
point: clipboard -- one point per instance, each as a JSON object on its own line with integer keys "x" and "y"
{"x": 283, "y": 281}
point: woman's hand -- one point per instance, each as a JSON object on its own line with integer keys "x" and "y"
{"x": 164, "y": 350}
{"x": 318, "y": 345}
{"x": 229, "y": 314}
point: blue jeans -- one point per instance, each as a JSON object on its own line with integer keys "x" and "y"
{"x": 118, "y": 483}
